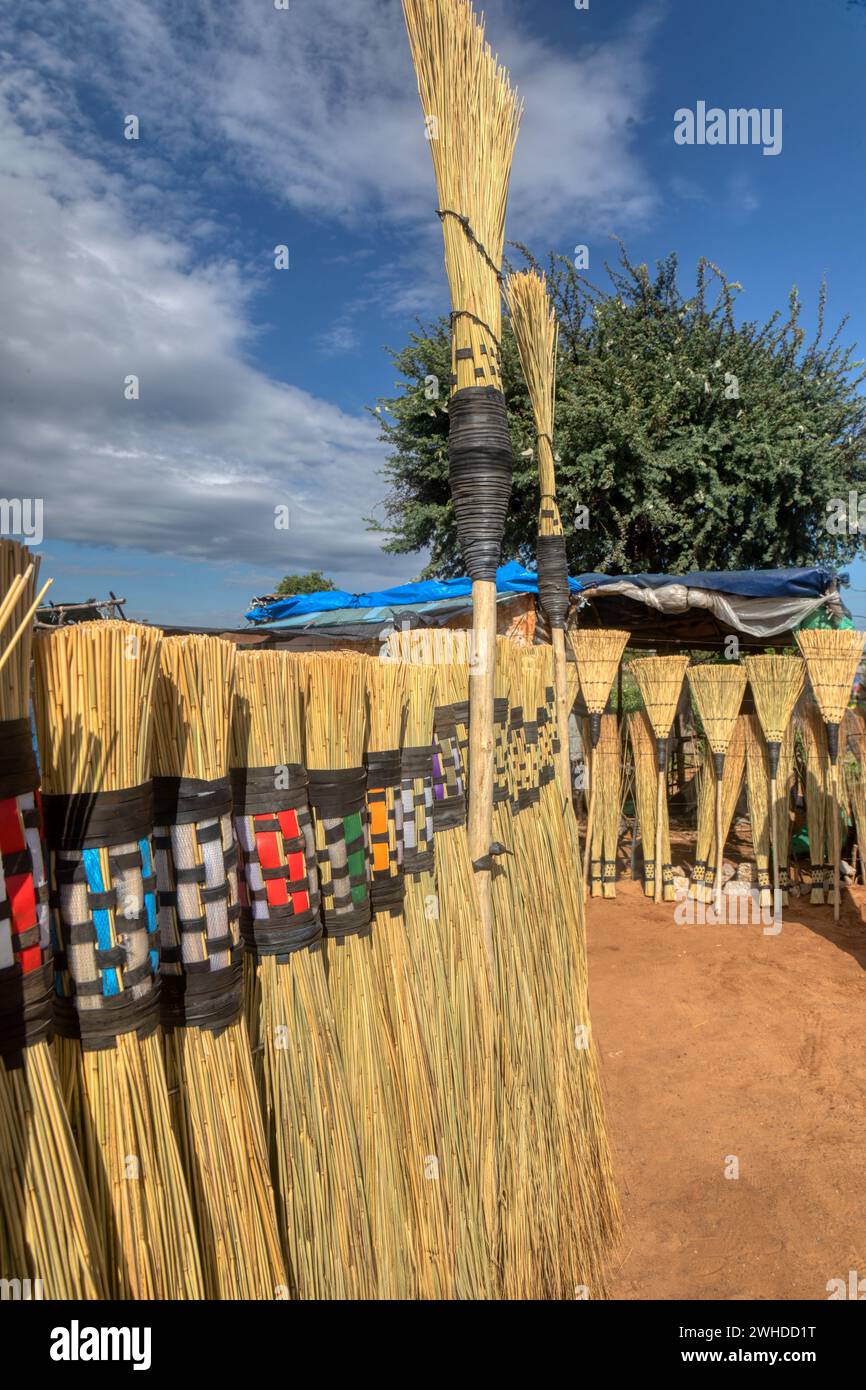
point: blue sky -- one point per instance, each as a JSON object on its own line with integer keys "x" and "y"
{"x": 260, "y": 127}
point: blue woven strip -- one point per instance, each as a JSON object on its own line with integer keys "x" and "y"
{"x": 101, "y": 917}
{"x": 149, "y": 901}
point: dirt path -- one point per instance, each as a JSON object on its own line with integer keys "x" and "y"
{"x": 721, "y": 1041}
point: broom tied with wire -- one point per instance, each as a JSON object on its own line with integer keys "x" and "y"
{"x": 48, "y": 1234}
{"x": 309, "y": 1123}
{"x": 660, "y": 681}
{"x": 832, "y": 657}
{"x": 597, "y": 654}
{"x": 472, "y": 116}
{"x": 718, "y": 694}
{"x": 94, "y": 706}
{"x": 533, "y": 322}
{"x": 777, "y": 684}
{"x": 214, "y": 1097}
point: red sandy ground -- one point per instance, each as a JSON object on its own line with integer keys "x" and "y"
{"x": 717, "y": 1041}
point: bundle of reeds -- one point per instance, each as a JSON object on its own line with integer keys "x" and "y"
{"x": 715, "y": 813}
{"x": 597, "y": 654}
{"x": 94, "y": 705}
{"x": 309, "y": 1122}
{"x": 758, "y": 793}
{"x": 429, "y": 1175}
{"x": 855, "y": 777}
{"x": 451, "y": 948}
{"x": 533, "y": 322}
{"x": 48, "y": 1236}
{"x": 777, "y": 683}
{"x": 660, "y": 680}
{"x": 335, "y": 741}
{"x": 215, "y": 1104}
{"x": 718, "y": 694}
{"x": 819, "y": 800}
{"x": 832, "y": 656}
{"x": 646, "y": 799}
{"x": 607, "y": 786}
{"x": 472, "y": 116}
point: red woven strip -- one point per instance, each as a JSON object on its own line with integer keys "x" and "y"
{"x": 270, "y": 848}
{"x": 297, "y": 863}
{"x": 11, "y": 831}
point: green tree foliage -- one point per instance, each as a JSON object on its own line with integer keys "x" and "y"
{"x": 692, "y": 440}
{"x": 312, "y": 583}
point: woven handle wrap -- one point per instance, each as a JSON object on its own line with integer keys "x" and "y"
{"x": 449, "y": 784}
{"x": 548, "y": 739}
{"x": 553, "y": 589}
{"x": 103, "y": 900}
{"x": 26, "y": 986}
{"x": 278, "y": 885}
{"x": 481, "y": 463}
{"x": 199, "y": 911}
{"x": 417, "y": 796}
{"x": 385, "y": 812}
{"x": 338, "y": 800}
{"x": 501, "y": 788}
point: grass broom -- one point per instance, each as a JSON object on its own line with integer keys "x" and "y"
{"x": 855, "y": 780}
{"x": 428, "y": 1174}
{"x": 777, "y": 683}
{"x": 472, "y": 117}
{"x": 660, "y": 680}
{"x": 832, "y": 656}
{"x": 718, "y": 694}
{"x": 819, "y": 801}
{"x": 607, "y": 791}
{"x": 309, "y": 1124}
{"x": 452, "y": 963}
{"x": 597, "y": 654}
{"x": 335, "y": 741}
{"x": 758, "y": 793}
{"x": 94, "y": 705}
{"x": 215, "y": 1102}
{"x": 533, "y": 322}
{"x": 48, "y": 1235}
{"x": 645, "y": 777}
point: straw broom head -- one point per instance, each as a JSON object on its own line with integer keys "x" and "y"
{"x": 334, "y": 710}
{"x": 94, "y": 705}
{"x": 18, "y": 572}
{"x": 660, "y": 680}
{"x": 266, "y": 722}
{"x": 597, "y": 654}
{"x": 777, "y": 684}
{"x": 194, "y": 693}
{"x": 534, "y": 324}
{"x": 472, "y": 116}
{"x": 718, "y": 692}
{"x": 832, "y": 657}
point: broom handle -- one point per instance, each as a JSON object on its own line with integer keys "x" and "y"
{"x": 660, "y": 799}
{"x": 719, "y": 845}
{"x": 774, "y": 837}
{"x": 837, "y": 851}
{"x": 481, "y": 689}
{"x": 561, "y": 687}
{"x": 590, "y": 816}
{"x": 25, "y": 622}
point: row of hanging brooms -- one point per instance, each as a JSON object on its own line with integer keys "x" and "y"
{"x": 799, "y": 705}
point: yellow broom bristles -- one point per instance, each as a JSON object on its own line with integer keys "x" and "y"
{"x": 832, "y": 656}
{"x": 534, "y": 325}
{"x": 194, "y": 697}
{"x": 472, "y": 116}
{"x": 718, "y": 693}
{"x": 758, "y": 792}
{"x": 597, "y": 654}
{"x": 777, "y": 684}
{"x": 660, "y": 681}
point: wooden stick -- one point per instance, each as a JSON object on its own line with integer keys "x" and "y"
{"x": 562, "y": 710}
{"x": 25, "y": 622}
{"x": 837, "y": 852}
{"x": 774, "y": 843}
{"x": 719, "y": 846}
{"x": 660, "y": 801}
{"x": 590, "y": 817}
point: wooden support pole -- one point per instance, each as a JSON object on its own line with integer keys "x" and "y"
{"x": 481, "y": 687}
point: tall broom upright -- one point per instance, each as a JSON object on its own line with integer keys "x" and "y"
{"x": 718, "y": 692}
{"x": 214, "y": 1098}
{"x": 832, "y": 657}
{"x": 777, "y": 684}
{"x": 534, "y": 324}
{"x": 597, "y": 654}
{"x": 48, "y": 1235}
{"x": 660, "y": 680}
{"x": 472, "y": 116}
{"x": 313, "y": 1145}
{"x": 94, "y": 706}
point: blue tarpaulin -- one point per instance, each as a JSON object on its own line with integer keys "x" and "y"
{"x": 793, "y": 583}
{"x": 510, "y": 579}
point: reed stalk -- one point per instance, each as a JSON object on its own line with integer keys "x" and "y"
{"x": 777, "y": 683}
{"x": 660, "y": 681}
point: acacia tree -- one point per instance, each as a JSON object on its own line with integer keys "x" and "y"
{"x": 685, "y": 439}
